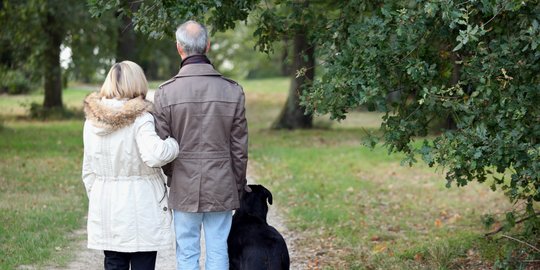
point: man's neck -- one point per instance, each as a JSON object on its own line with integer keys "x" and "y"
{"x": 195, "y": 59}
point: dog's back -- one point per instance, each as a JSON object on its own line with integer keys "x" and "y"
{"x": 253, "y": 244}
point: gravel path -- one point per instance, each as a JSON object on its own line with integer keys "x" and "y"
{"x": 89, "y": 259}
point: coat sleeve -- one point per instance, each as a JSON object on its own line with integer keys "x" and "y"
{"x": 163, "y": 130}
{"x": 154, "y": 151}
{"x": 88, "y": 175}
{"x": 161, "y": 116}
{"x": 239, "y": 144}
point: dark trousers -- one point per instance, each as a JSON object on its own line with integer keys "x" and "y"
{"x": 121, "y": 260}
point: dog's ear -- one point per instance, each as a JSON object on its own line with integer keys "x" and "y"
{"x": 268, "y": 195}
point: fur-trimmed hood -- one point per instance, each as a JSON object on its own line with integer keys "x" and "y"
{"x": 109, "y": 115}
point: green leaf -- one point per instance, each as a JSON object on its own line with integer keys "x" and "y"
{"x": 511, "y": 219}
{"x": 458, "y": 47}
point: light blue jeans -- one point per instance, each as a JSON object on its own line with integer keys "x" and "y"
{"x": 216, "y": 225}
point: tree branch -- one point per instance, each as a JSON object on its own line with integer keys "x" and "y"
{"x": 520, "y": 241}
{"x": 517, "y": 222}
{"x": 496, "y": 14}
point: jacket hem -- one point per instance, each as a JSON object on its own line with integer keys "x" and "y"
{"x": 203, "y": 210}
{"x": 130, "y": 249}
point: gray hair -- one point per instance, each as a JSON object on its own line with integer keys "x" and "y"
{"x": 192, "y": 37}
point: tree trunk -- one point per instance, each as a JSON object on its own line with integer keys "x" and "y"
{"x": 126, "y": 43}
{"x": 285, "y": 63}
{"x": 51, "y": 62}
{"x": 150, "y": 68}
{"x": 293, "y": 115}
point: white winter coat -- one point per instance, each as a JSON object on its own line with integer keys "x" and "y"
{"x": 123, "y": 179}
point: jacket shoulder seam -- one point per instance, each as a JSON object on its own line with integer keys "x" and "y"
{"x": 167, "y": 82}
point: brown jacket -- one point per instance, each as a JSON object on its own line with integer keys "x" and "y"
{"x": 205, "y": 113}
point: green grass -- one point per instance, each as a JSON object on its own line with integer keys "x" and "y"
{"x": 42, "y": 198}
{"x": 353, "y": 208}
{"x": 41, "y": 195}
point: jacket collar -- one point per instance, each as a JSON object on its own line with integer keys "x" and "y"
{"x": 114, "y": 114}
{"x": 197, "y": 70}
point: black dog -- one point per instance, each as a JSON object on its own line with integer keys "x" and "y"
{"x": 253, "y": 244}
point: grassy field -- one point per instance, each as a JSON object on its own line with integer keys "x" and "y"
{"x": 41, "y": 195}
{"x": 352, "y": 208}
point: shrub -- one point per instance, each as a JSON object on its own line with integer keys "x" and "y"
{"x": 37, "y": 111}
{"x": 14, "y": 82}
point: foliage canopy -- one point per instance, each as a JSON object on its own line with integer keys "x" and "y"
{"x": 476, "y": 61}
{"x": 25, "y": 30}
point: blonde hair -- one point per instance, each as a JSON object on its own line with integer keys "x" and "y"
{"x": 125, "y": 80}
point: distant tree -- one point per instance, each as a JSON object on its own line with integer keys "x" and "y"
{"x": 40, "y": 27}
{"x": 158, "y": 57}
{"x": 233, "y": 55}
{"x": 15, "y": 76}
{"x": 292, "y": 19}
{"x": 126, "y": 43}
{"x": 293, "y": 115}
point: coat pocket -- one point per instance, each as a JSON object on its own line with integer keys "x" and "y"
{"x": 164, "y": 211}
{"x": 219, "y": 185}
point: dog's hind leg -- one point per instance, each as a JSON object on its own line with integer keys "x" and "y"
{"x": 256, "y": 259}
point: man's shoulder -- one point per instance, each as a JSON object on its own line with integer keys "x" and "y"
{"x": 232, "y": 82}
{"x": 166, "y": 83}
{"x": 180, "y": 77}
{"x": 181, "y": 82}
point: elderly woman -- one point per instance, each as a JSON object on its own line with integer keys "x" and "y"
{"x": 128, "y": 216}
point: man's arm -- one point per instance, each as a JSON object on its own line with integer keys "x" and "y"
{"x": 162, "y": 117}
{"x": 239, "y": 144}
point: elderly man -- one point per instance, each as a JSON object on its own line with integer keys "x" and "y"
{"x": 205, "y": 113}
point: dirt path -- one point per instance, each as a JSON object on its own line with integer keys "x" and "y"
{"x": 297, "y": 256}
{"x": 88, "y": 259}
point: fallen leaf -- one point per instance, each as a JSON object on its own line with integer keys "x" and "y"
{"x": 454, "y": 218}
{"x": 375, "y": 238}
{"x": 379, "y": 248}
{"x": 444, "y": 213}
{"x": 438, "y": 223}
